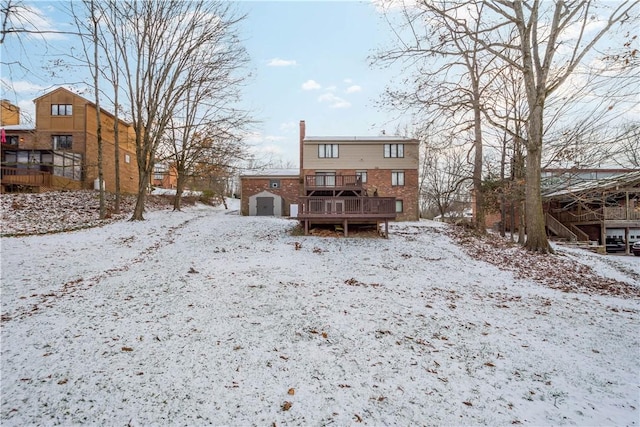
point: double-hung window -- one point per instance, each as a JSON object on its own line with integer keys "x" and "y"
{"x": 363, "y": 176}
{"x": 327, "y": 150}
{"x": 393, "y": 150}
{"x": 62, "y": 142}
{"x": 397, "y": 178}
{"x": 399, "y": 206}
{"x": 61, "y": 109}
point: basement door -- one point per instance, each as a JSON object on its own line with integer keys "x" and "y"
{"x": 264, "y": 206}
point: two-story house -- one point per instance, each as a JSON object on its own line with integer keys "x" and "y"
{"x": 61, "y": 151}
{"x": 343, "y": 181}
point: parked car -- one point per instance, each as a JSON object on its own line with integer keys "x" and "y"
{"x": 614, "y": 244}
{"x": 636, "y": 248}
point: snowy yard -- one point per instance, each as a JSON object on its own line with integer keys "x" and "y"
{"x": 206, "y": 317}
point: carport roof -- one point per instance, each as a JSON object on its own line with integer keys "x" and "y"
{"x": 272, "y": 173}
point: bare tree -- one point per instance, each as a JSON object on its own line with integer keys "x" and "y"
{"x": 157, "y": 42}
{"x": 449, "y": 72}
{"x": 205, "y": 113}
{"x": 551, "y": 41}
{"x": 91, "y": 32}
{"x": 445, "y": 171}
{"x": 217, "y": 165}
{"x": 543, "y": 37}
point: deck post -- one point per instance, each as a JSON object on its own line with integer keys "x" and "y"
{"x": 386, "y": 228}
{"x": 306, "y": 227}
{"x": 345, "y": 226}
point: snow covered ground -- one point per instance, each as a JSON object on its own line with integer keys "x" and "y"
{"x": 206, "y": 317}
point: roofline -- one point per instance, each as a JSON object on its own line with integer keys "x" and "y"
{"x": 271, "y": 176}
{"x": 93, "y": 104}
{"x": 360, "y": 139}
{"x": 578, "y": 170}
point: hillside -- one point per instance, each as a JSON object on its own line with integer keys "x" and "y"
{"x": 204, "y": 316}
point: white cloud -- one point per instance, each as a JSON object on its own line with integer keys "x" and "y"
{"x": 354, "y": 89}
{"x": 33, "y": 19}
{"x": 21, "y": 86}
{"x": 288, "y": 126}
{"x": 273, "y": 138}
{"x": 331, "y": 88}
{"x": 348, "y": 81}
{"x": 277, "y": 62}
{"x": 334, "y": 101}
{"x": 311, "y": 85}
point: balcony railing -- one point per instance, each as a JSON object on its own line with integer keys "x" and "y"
{"x": 19, "y": 176}
{"x": 610, "y": 214}
{"x": 347, "y": 207}
{"x": 332, "y": 181}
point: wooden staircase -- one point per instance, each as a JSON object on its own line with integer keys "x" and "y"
{"x": 559, "y": 229}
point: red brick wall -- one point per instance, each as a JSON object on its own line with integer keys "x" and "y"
{"x": 380, "y": 179}
{"x": 289, "y": 191}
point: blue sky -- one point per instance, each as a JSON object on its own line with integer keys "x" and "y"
{"x": 309, "y": 61}
{"x": 311, "y": 64}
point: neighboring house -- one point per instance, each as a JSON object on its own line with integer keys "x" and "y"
{"x": 9, "y": 113}
{"x": 61, "y": 151}
{"x": 593, "y": 205}
{"x": 165, "y": 176}
{"x": 270, "y": 193}
{"x": 347, "y": 180}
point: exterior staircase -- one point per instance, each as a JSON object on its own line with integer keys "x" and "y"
{"x": 559, "y": 229}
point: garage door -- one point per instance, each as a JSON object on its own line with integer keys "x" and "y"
{"x": 265, "y": 206}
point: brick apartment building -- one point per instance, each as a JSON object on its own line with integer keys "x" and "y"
{"x": 61, "y": 151}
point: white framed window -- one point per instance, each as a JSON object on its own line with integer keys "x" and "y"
{"x": 61, "y": 109}
{"x": 393, "y": 150}
{"x": 325, "y": 179}
{"x": 362, "y": 175}
{"x": 327, "y": 150}
{"x": 397, "y": 178}
{"x": 399, "y": 206}
{"x": 62, "y": 142}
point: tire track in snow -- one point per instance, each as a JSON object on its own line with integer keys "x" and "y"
{"x": 29, "y": 307}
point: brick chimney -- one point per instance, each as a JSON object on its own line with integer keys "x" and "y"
{"x": 302, "y": 135}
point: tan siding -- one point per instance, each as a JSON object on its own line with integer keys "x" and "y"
{"x": 9, "y": 113}
{"x": 82, "y": 125}
{"x": 360, "y": 156}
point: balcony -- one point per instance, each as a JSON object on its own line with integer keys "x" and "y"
{"x": 28, "y": 177}
{"x": 332, "y": 182}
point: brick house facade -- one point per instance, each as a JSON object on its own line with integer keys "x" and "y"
{"x": 64, "y": 145}
{"x": 282, "y": 184}
{"x": 390, "y": 173}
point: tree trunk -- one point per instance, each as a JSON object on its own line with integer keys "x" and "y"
{"x": 138, "y": 211}
{"x": 177, "y": 201}
{"x": 477, "y": 171}
{"x": 536, "y": 233}
{"x": 116, "y": 155}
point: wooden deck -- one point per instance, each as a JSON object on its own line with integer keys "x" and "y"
{"x": 27, "y": 177}
{"x": 346, "y": 210}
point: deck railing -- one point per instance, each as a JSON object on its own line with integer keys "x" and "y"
{"x": 18, "y": 176}
{"x": 347, "y": 207}
{"x": 610, "y": 214}
{"x": 331, "y": 181}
